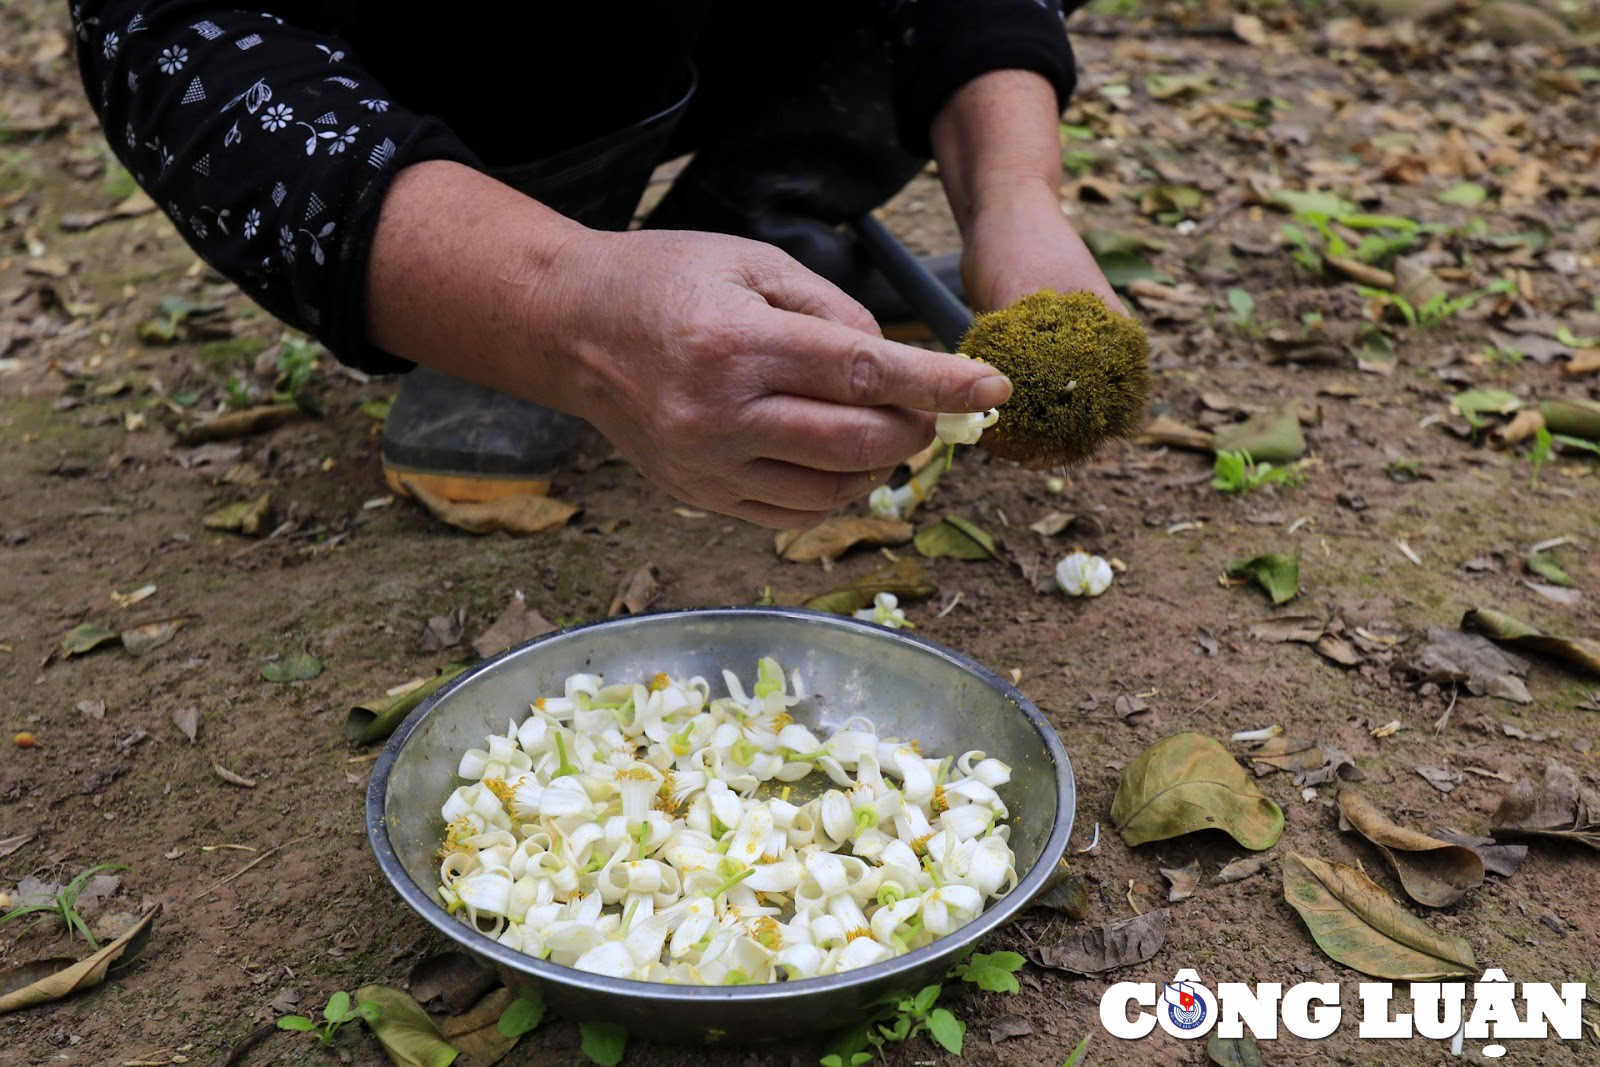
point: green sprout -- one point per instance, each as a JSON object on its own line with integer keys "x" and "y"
{"x": 1236, "y": 472}
{"x": 64, "y": 905}
{"x": 901, "y": 1017}
{"x": 338, "y": 1012}
{"x": 1543, "y": 451}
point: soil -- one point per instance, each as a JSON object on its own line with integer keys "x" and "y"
{"x": 251, "y": 837}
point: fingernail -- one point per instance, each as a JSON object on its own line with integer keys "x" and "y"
{"x": 989, "y": 392}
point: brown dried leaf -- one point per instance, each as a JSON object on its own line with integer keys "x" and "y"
{"x": 444, "y": 631}
{"x": 1280, "y": 628}
{"x": 81, "y": 975}
{"x": 187, "y": 720}
{"x": 1007, "y": 1027}
{"x": 1185, "y": 880}
{"x": 236, "y": 424}
{"x": 231, "y": 778}
{"x": 247, "y": 517}
{"x": 838, "y": 535}
{"x": 451, "y": 982}
{"x": 1432, "y": 872}
{"x": 475, "y": 1034}
{"x": 1096, "y": 949}
{"x": 1580, "y": 652}
{"x": 1559, "y": 807}
{"x": 1452, "y": 657}
{"x": 635, "y": 592}
{"x": 1288, "y": 754}
{"x": 1166, "y": 431}
{"x": 516, "y": 624}
{"x": 905, "y": 578}
{"x": 152, "y": 635}
{"x": 1065, "y": 892}
{"x": 1497, "y": 859}
{"x": 1240, "y": 869}
{"x": 517, "y": 514}
{"x": 1338, "y": 650}
{"x": 1052, "y": 523}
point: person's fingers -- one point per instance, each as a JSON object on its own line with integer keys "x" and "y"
{"x": 827, "y": 436}
{"x": 778, "y": 518}
{"x": 795, "y": 487}
{"x": 809, "y": 357}
{"x": 787, "y": 285}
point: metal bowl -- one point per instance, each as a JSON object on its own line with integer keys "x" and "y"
{"x": 909, "y": 687}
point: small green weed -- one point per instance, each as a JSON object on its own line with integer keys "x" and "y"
{"x": 604, "y": 1043}
{"x": 1439, "y": 307}
{"x": 1236, "y": 472}
{"x": 237, "y": 393}
{"x": 1503, "y": 356}
{"x": 337, "y": 1012}
{"x": 64, "y": 906}
{"x": 1543, "y": 450}
{"x": 1243, "y": 306}
{"x": 901, "y": 1018}
{"x": 297, "y": 369}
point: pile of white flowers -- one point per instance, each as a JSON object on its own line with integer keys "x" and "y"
{"x": 644, "y": 831}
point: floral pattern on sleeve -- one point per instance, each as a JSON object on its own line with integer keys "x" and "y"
{"x": 267, "y": 145}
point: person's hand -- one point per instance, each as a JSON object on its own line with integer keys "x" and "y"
{"x": 1017, "y": 245}
{"x": 736, "y": 379}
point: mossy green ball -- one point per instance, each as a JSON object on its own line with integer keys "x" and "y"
{"x": 1080, "y": 375}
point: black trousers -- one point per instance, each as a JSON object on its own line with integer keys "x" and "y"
{"x": 786, "y": 108}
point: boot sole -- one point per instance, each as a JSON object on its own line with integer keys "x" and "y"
{"x": 465, "y": 488}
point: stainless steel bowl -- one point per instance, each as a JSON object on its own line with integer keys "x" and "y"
{"x": 909, "y": 687}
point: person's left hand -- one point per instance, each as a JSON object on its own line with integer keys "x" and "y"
{"x": 1019, "y": 244}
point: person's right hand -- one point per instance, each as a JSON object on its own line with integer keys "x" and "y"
{"x": 736, "y": 379}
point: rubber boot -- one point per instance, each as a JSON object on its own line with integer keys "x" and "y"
{"x": 788, "y": 151}
{"x": 469, "y": 443}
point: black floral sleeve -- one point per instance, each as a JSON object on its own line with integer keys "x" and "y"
{"x": 267, "y": 145}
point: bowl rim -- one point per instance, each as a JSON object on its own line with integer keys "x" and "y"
{"x": 994, "y": 915}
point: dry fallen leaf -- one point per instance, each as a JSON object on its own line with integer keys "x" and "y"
{"x": 152, "y": 635}
{"x": 1301, "y": 628}
{"x": 248, "y": 517}
{"x": 1188, "y": 782}
{"x": 187, "y": 720}
{"x": 1432, "y": 872}
{"x": 1497, "y": 859}
{"x": 838, "y": 535}
{"x": 1559, "y": 807}
{"x": 451, "y": 982}
{"x": 1096, "y": 949}
{"x": 1287, "y": 754}
{"x": 1452, "y": 657}
{"x": 1242, "y": 868}
{"x": 516, "y": 624}
{"x": 1359, "y": 925}
{"x": 1580, "y": 652}
{"x": 1185, "y": 880}
{"x": 236, "y": 424}
{"x": 50, "y": 983}
{"x": 635, "y": 592}
{"x": 444, "y": 631}
{"x": 231, "y": 778}
{"x": 516, "y": 514}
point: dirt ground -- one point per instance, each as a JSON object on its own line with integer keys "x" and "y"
{"x": 1186, "y": 121}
